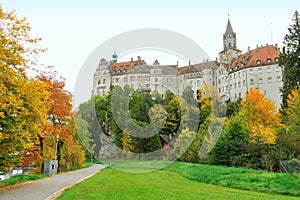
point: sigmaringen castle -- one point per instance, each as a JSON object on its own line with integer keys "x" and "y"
{"x": 233, "y": 76}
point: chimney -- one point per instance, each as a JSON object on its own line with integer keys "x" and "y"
{"x": 276, "y": 46}
{"x": 177, "y": 63}
{"x": 257, "y": 47}
{"x": 216, "y": 59}
{"x": 139, "y": 58}
{"x": 267, "y": 44}
{"x": 131, "y": 59}
{"x": 189, "y": 62}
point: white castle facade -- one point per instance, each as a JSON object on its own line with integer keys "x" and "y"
{"x": 232, "y": 76}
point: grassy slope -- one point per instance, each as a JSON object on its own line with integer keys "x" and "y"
{"x": 112, "y": 184}
{"x": 20, "y": 179}
{"x": 255, "y": 180}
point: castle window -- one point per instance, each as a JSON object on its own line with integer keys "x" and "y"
{"x": 251, "y": 81}
{"x": 104, "y": 81}
{"x": 132, "y": 69}
{"x": 99, "y": 81}
{"x": 269, "y": 60}
{"x": 259, "y": 70}
{"x": 278, "y": 78}
{"x": 126, "y": 79}
{"x": 234, "y": 85}
{"x": 156, "y": 79}
{"x": 132, "y": 78}
{"x": 148, "y": 69}
{"x": 260, "y": 81}
{"x": 269, "y": 79}
{"x": 117, "y": 80}
{"x": 278, "y": 69}
{"x": 240, "y": 84}
{"x": 244, "y": 82}
{"x": 269, "y": 69}
{"x": 258, "y": 62}
{"x": 198, "y": 83}
{"x": 140, "y": 69}
{"x": 251, "y": 71}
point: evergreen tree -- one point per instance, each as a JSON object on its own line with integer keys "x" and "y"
{"x": 290, "y": 59}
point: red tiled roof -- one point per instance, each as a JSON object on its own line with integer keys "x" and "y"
{"x": 265, "y": 55}
{"x": 127, "y": 67}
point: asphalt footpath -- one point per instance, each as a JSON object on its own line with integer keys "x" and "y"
{"x": 48, "y": 188}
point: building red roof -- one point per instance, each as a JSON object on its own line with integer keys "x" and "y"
{"x": 128, "y": 67}
{"x": 264, "y": 55}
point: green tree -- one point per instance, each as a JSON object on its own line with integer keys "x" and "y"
{"x": 230, "y": 144}
{"x": 289, "y": 58}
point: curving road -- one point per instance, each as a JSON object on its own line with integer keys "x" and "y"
{"x": 48, "y": 188}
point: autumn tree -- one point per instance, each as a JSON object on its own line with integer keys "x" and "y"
{"x": 260, "y": 117}
{"x": 60, "y": 121}
{"x": 22, "y": 102}
{"x": 289, "y": 58}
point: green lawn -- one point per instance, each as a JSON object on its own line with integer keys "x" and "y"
{"x": 247, "y": 179}
{"x": 113, "y": 184}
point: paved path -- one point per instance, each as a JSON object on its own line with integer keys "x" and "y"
{"x": 48, "y": 188}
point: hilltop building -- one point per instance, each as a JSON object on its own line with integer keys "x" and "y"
{"x": 233, "y": 76}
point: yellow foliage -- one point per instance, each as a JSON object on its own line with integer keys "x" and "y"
{"x": 260, "y": 117}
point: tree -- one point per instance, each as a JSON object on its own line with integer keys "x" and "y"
{"x": 22, "y": 102}
{"x": 230, "y": 144}
{"x": 260, "y": 117}
{"x": 60, "y": 122}
{"x": 173, "y": 117}
{"x": 289, "y": 59}
{"x": 85, "y": 135}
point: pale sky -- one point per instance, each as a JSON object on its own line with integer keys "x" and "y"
{"x": 71, "y": 30}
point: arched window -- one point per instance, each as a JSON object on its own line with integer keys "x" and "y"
{"x": 258, "y": 62}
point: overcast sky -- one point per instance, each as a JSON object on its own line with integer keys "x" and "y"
{"x": 71, "y": 30}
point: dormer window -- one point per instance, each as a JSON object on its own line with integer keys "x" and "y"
{"x": 140, "y": 69}
{"x": 269, "y": 60}
{"x": 114, "y": 71}
{"x": 258, "y": 62}
{"x": 276, "y": 60}
{"x": 119, "y": 71}
{"x": 132, "y": 69}
{"x": 125, "y": 70}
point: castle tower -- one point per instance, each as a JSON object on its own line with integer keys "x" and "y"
{"x": 115, "y": 56}
{"x": 230, "y": 50}
{"x": 229, "y": 37}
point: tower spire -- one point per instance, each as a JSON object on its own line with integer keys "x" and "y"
{"x": 229, "y": 37}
